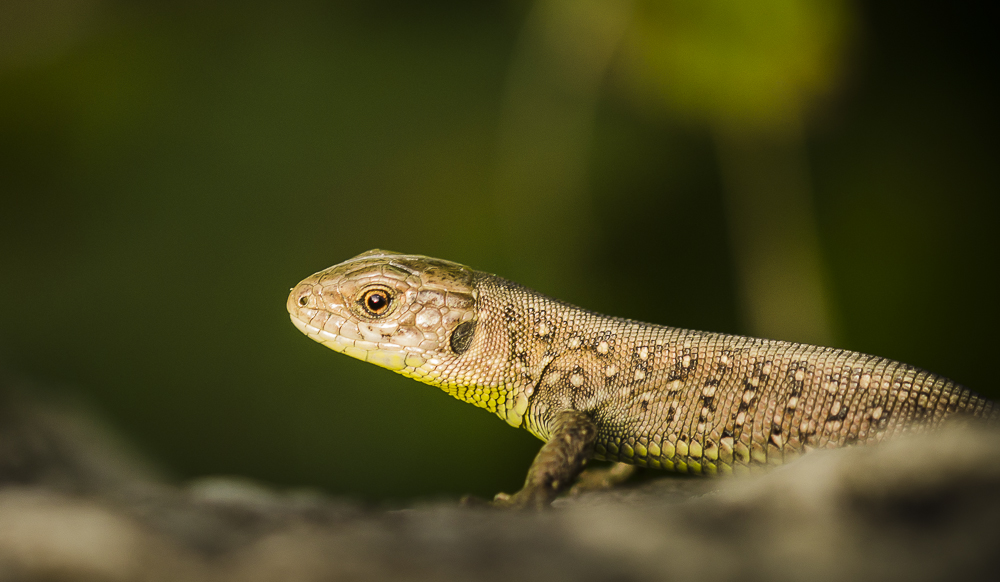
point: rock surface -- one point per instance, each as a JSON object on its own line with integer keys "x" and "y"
{"x": 75, "y": 506}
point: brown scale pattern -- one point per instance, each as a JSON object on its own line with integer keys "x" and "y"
{"x": 703, "y": 402}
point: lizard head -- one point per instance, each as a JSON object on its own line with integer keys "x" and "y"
{"x": 409, "y": 313}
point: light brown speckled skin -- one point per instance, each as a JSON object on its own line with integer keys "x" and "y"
{"x": 658, "y": 396}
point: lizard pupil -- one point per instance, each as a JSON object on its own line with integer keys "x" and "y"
{"x": 376, "y": 301}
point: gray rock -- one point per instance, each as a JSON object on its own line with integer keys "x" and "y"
{"x": 76, "y": 507}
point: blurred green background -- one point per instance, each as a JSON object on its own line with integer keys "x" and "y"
{"x": 819, "y": 171}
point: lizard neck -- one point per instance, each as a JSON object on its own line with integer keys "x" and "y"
{"x": 531, "y": 342}
{"x": 519, "y": 334}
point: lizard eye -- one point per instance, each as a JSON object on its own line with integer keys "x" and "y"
{"x": 376, "y": 301}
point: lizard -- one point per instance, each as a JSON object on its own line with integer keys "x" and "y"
{"x": 593, "y": 386}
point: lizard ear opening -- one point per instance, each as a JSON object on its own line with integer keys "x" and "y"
{"x": 461, "y": 338}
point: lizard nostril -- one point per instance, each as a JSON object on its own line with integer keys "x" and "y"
{"x": 302, "y": 296}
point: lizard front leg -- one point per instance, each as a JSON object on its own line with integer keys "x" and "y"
{"x": 558, "y": 463}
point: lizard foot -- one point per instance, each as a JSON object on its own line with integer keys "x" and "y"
{"x": 602, "y": 479}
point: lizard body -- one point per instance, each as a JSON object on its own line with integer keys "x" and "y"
{"x": 594, "y": 386}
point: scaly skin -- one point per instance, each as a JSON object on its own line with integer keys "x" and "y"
{"x": 601, "y": 387}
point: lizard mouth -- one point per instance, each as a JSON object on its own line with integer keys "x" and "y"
{"x": 303, "y": 326}
{"x": 365, "y": 351}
